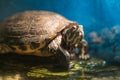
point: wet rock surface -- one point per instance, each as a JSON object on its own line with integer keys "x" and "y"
{"x": 19, "y": 67}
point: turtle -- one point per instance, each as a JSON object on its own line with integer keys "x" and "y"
{"x": 42, "y": 33}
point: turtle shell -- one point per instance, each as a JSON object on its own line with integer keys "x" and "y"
{"x": 31, "y": 28}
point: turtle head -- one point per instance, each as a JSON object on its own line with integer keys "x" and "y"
{"x": 72, "y": 35}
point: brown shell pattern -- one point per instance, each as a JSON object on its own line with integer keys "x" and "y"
{"x": 31, "y": 26}
{"x": 25, "y": 32}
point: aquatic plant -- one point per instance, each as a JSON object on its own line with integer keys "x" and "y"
{"x": 105, "y": 43}
{"x": 78, "y": 71}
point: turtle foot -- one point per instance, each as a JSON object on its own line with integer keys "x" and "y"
{"x": 85, "y": 56}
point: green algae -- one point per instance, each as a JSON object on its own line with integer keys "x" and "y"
{"x": 79, "y": 68}
{"x": 43, "y": 72}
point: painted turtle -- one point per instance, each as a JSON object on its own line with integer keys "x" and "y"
{"x": 41, "y": 33}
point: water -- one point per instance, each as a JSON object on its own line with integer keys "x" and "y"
{"x": 19, "y": 67}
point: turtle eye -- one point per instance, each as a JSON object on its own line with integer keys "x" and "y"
{"x": 74, "y": 27}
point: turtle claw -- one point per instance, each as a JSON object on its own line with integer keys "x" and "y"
{"x": 71, "y": 65}
{"x": 85, "y": 57}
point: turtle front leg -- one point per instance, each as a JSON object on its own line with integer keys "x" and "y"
{"x": 83, "y": 50}
{"x": 4, "y": 49}
{"x": 64, "y": 58}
